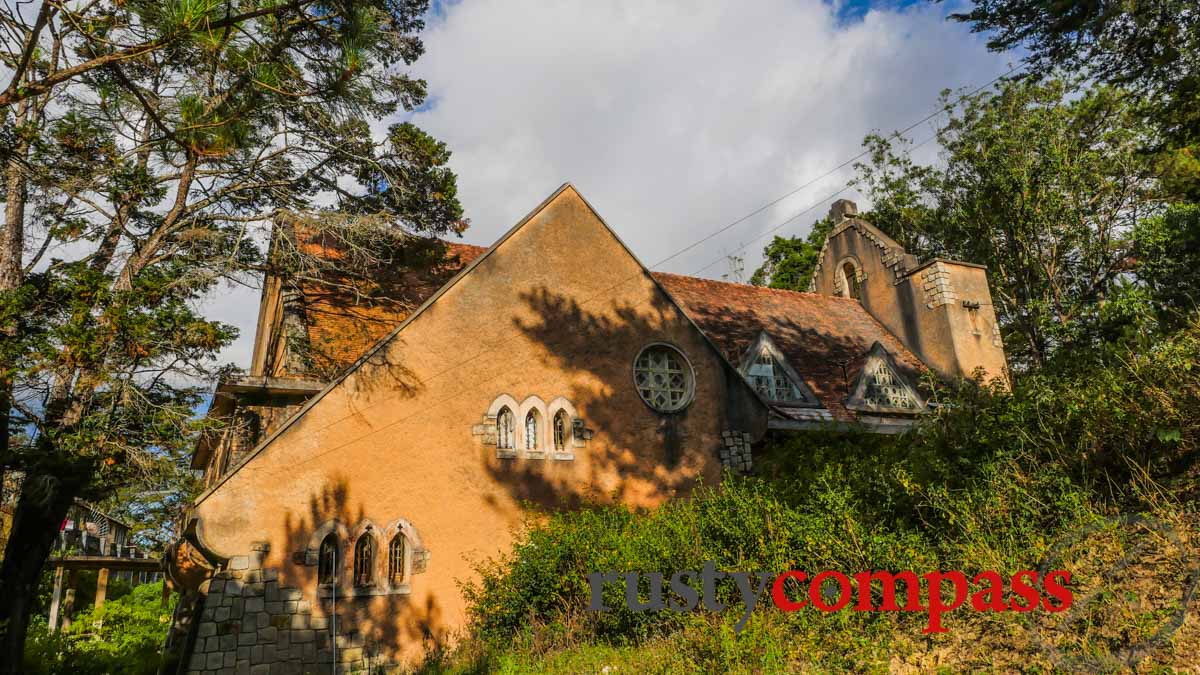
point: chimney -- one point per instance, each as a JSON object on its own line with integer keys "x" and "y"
{"x": 842, "y": 209}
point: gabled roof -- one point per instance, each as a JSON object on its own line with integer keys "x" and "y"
{"x": 463, "y": 271}
{"x": 826, "y": 339}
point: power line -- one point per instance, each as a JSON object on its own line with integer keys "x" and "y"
{"x": 832, "y": 171}
{"x": 794, "y": 216}
{"x": 603, "y": 294}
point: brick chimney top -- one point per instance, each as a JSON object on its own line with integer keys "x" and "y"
{"x": 842, "y": 209}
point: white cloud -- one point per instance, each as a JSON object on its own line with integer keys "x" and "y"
{"x": 676, "y": 117}
{"x": 672, "y": 117}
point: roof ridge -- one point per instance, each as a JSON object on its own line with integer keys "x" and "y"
{"x": 770, "y": 289}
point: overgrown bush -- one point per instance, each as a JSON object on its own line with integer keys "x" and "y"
{"x": 987, "y": 482}
{"x": 124, "y": 637}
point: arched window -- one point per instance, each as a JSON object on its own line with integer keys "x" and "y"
{"x": 506, "y": 430}
{"x": 364, "y": 560}
{"x": 561, "y": 425}
{"x": 396, "y": 559}
{"x": 850, "y": 272}
{"x": 531, "y": 430}
{"x": 327, "y": 560}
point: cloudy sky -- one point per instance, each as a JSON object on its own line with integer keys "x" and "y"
{"x": 673, "y": 117}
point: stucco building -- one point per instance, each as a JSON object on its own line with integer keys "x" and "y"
{"x": 381, "y": 444}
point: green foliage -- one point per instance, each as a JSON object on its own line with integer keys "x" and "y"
{"x": 1146, "y": 47}
{"x": 1167, "y": 248}
{"x": 988, "y": 482}
{"x": 1042, "y": 183}
{"x": 788, "y": 262}
{"x": 149, "y": 148}
{"x": 123, "y": 637}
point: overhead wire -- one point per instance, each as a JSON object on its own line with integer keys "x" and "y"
{"x": 604, "y": 293}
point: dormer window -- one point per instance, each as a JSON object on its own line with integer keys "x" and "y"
{"x": 881, "y": 388}
{"x": 768, "y": 379}
{"x": 767, "y": 370}
{"x": 885, "y": 389}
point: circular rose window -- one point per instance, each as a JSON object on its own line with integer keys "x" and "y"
{"x": 663, "y": 378}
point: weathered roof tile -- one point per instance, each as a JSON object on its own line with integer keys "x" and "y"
{"x": 824, "y": 338}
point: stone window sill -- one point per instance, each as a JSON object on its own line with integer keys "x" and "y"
{"x": 327, "y": 591}
{"x": 564, "y": 456}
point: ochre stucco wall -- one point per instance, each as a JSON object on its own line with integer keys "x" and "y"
{"x": 922, "y": 305}
{"x": 558, "y": 309}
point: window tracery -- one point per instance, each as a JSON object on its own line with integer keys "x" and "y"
{"x": 663, "y": 377}
{"x": 506, "y": 431}
{"x": 364, "y": 560}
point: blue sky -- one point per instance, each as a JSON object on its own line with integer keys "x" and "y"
{"x": 675, "y": 117}
{"x": 854, "y": 10}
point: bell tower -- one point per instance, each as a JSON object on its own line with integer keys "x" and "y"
{"x": 940, "y": 309}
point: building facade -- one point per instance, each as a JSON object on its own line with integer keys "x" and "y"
{"x": 379, "y": 446}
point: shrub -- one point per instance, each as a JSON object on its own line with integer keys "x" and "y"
{"x": 987, "y": 482}
{"x": 124, "y": 637}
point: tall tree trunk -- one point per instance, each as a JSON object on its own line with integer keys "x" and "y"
{"x": 36, "y": 523}
{"x": 12, "y": 250}
{"x": 32, "y": 529}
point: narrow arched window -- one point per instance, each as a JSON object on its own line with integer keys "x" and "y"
{"x": 396, "y": 559}
{"x": 531, "y": 430}
{"x": 561, "y": 424}
{"x": 850, "y": 272}
{"x": 327, "y": 560}
{"x": 506, "y": 430}
{"x": 364, "y": 560}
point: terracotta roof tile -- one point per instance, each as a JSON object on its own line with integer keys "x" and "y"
{"x": 344, "y": 322}
{"x": 825, "y": 339}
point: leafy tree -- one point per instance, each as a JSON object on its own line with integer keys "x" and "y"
{"x": 788, "y": 262}
{"x": 147, "y": 147}
{"x": 1151, "y": 49}
{"x": 1167, "y": 249}
{"x": 1043, "y": 184}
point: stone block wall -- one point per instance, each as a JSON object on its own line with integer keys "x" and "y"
{"x": 935, "y": 283}
{"x": 250, "y": 624}
{"x": 735, "y": 451}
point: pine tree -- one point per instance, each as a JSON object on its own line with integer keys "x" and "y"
{"x": 146, "y": 148}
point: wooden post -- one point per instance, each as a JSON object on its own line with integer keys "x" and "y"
{"x": 101, "y": 586}
{"x": 56, "y": 598}
{"x": 166, "y": 593}
{"x": 69, "y": 602}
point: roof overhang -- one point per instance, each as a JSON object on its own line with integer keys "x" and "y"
{"x": 233, "y": 389}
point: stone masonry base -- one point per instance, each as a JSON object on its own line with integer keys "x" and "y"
{"x": 249, "y": 624}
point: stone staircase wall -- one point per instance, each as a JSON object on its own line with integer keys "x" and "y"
{"x": 250, "y": 624}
